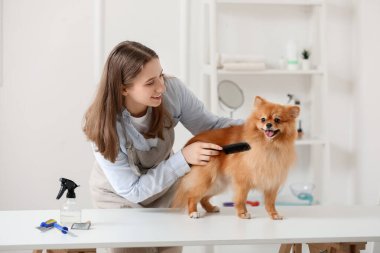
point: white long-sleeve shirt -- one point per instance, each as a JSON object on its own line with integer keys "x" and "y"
{"x": 186, "y": 108}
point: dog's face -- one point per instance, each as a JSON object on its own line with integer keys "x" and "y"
{"x": 275, "y": 120}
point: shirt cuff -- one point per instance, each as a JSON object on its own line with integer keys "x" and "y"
{"x": 179, "y": 164}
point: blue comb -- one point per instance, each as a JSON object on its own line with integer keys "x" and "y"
{"x": 46, "y": 225}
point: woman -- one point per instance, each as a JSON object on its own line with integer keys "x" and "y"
{"x": 130, "y": 124}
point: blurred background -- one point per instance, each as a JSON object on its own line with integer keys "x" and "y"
{"x": 52, "y": 53}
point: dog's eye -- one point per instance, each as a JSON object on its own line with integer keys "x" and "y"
{"x": 262, "y": 119}
{"x": 277, "y": 120}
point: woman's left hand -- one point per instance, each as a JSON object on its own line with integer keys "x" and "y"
{"x": 199, "y": 153}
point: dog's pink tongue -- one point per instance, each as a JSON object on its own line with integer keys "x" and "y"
{"x": 269, "y": 133}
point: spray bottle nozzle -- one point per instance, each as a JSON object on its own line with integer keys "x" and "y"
{"x": 67, "y": 184}
{"x": 292, "y": 97}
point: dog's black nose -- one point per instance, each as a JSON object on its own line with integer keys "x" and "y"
{"x": 269, "y": 125}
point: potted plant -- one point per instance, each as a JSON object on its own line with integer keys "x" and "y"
{"x": 305, "y": 62}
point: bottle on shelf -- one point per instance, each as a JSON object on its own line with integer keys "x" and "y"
{"x": 291, "y": 52}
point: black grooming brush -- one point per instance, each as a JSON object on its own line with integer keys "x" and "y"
{"x": 236, "y": 147}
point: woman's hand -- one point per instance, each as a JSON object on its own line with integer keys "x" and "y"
{"x": 199, "y": 153}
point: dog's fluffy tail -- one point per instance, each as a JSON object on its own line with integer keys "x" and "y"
{"x": 181, "y": 196}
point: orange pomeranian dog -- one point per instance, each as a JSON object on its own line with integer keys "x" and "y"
{"x": 271, "y": 133}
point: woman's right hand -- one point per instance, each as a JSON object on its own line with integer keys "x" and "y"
{"x": 199, "y": 153}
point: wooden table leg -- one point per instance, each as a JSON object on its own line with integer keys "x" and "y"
{"x": 318, "y": 248}
{"x": 343, "y": 247}
{"x": 297, "y": 248}
{"x": 285, "y": 248}
{"x": 361, "y": 246}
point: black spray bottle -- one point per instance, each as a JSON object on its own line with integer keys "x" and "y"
{"x": 70, "y": 212}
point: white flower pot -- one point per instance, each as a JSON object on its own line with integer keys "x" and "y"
{"x": 306, "y": 65}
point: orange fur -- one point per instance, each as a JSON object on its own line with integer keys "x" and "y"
{"x": 264, "y": 167}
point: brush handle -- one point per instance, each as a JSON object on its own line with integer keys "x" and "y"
{"x": 62, "y": 229}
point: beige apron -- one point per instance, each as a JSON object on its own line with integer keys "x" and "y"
{"x": 104, "y": 196}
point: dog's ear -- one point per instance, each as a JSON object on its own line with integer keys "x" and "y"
{"x": 294, "y": 111}
{"x": 258, "y": 101}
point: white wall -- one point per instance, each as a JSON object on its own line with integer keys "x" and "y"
{"x": 367, "y": 90}
{"x": 341, "y": 92}
{"x": 48, "y": 84}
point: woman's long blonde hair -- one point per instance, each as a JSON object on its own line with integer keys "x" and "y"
{"x": 123, "y": 64}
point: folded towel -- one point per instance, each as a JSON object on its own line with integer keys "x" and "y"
{"x": 242, "y": 66}
{"x": 230, "y": 58}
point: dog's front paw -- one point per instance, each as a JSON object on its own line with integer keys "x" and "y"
{"x": 245, "y": 215}
{"x": 195, "y": 215}
{"x": 276, "y": 216}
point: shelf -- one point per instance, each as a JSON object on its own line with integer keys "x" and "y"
{"x": 300, "y": 17}
{"x": 274, "y": 2}
{"x": 305, "y": 142}
{"x": 271, "y": 72}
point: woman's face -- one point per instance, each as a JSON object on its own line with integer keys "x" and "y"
{"x": 146, "y": 90}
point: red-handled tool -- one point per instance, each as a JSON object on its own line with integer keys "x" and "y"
{"x": 251, "y": 203}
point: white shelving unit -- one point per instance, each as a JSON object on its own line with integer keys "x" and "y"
{"x": 270, "y": 72}
{"x": 313, "y": 84}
